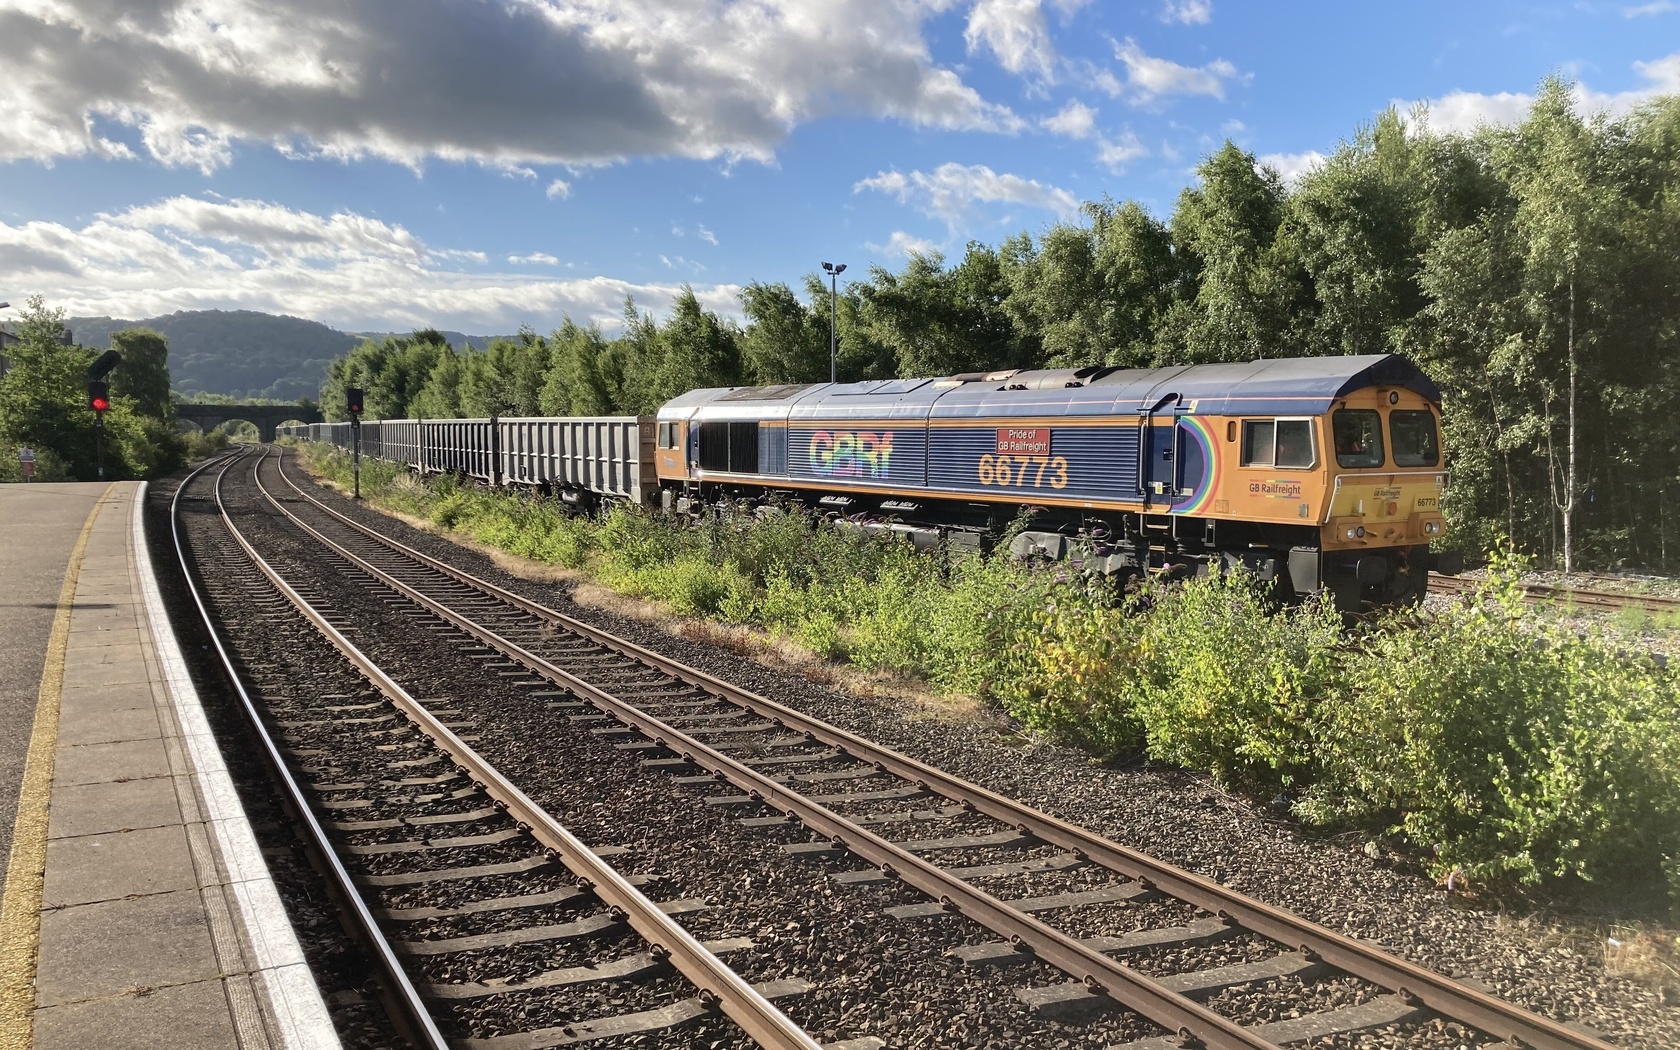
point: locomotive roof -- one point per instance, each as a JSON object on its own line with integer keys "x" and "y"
{"x": 1280, "y": 386}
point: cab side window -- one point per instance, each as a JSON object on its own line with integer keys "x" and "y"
{"x": 667, "y": 435}
{"x": 1278, "y": 443}
{"x": 1259, "y": 441}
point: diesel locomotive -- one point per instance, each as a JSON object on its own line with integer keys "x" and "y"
{"x": 1318, "y": 473}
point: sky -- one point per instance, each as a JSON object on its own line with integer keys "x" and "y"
{"x": 479, "y": 165}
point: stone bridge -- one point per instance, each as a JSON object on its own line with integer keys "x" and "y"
{"x": 265, "y": 417}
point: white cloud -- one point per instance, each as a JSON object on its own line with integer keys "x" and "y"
{"x": 348, "y": 270}
{"x": 1187, "y": 12}
{"x": 1149, "y": 78}
{"x": 504, "y": 83}
{"x": 1017, "y": 33}
{"x": 1014, "y": 31}
{"x": 1116, "y": 154}
{"x": 1076, "y": 120}
{"x": 1464, "y": 111}
{"x": 534, "y": 259}
{"x": 1293, "y": 165}
{"x": 706, "y": 235}
{"x": 559, "y": 189}
{"x": 1660, "y": 7}
{"x": 952, "y": 191}
{"x": 904, "y": 245}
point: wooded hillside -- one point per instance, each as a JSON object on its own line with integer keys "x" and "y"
{"x": 245, "y": 354}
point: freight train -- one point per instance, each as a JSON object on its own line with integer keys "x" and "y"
{"x": 1322, "y": 474}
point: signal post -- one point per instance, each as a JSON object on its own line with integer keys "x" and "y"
{"x": 353, "y": 396}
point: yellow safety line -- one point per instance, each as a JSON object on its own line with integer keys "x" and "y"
{"x": 20, "y": 907}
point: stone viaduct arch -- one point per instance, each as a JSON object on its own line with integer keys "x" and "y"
{"x": 265, "y": 417}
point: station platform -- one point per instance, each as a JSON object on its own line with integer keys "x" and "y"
{"x": 135, "y": 909}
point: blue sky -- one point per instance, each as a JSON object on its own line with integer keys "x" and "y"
{"x": 482, "y": 164}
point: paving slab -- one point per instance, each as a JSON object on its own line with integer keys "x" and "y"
{"x": 92, "y": 868}
{"x": 108, "y": 726}
{"x": 107, "y": 948}
{"x": 100, "y": 763}
{"x": 186, "y": 1017}
{"x": 79, "y": 810}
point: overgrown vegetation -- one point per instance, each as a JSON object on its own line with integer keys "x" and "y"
{"x": 43, "y": 404}
{"x": 1499, "y": 744}
{"x": 1532, "y": 270}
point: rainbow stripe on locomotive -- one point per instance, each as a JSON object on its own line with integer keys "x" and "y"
{"x": 1321, "y": 473}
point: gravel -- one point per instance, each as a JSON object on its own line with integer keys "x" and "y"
{"x": 1549, "y": 960}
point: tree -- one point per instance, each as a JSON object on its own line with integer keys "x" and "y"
{"x": 440, "y": 394}
{"x": 1567, "y": 221}
{"x": 1352, "y": 226}
{"x": 695, "y": 349}
{"x": 43, "y": 397}
{"x": 784, "y": 342}
{"x": 1094, "y": 294}
{"x": 144, "y": 372}
{"x": 939, "y": 321}
{"x": 1226, "y": 228}
{"x": 574, "y": 385}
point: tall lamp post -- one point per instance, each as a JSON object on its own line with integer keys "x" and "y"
{"x": 3, "y": 362}
{"x": 834, "y": 272}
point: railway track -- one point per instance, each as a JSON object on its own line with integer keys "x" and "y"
{"x": 847, "y": 799}
{"x": 1581, "y": 598}
{"x": 420, "y": 837}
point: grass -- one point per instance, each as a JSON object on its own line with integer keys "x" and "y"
{"x": 1497, "y": 743}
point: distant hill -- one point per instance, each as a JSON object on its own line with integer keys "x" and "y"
{"x": 456, "y": 339}
{"x": 243, "y": 353}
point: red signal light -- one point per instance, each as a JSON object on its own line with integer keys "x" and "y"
{"x": 99, "y": 395}
{"x": 100, "y": 404}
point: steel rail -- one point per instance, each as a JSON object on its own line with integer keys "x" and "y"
{"x": 1537, "y": 593}
{"x": 719, "y": 985}
{"x": 1100, "y": 973}
{"x": 1413, "y": 983}
{"x": 409, "y": 1015}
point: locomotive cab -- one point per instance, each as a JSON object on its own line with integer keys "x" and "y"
{"x": 1386, "y": 483}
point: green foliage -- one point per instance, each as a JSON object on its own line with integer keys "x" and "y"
{"x": 1225, "y": 685}
{"x": 199, "y": 445}
{"x": 43, "y": 405}
{"x": 143, "y": 375}
{"x": 1513, "y": 747}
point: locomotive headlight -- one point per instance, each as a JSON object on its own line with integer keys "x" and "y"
{"x": 1431, "y": 528}
{"x": 1355, "y": 532}
{"x": 1359, "y": 531}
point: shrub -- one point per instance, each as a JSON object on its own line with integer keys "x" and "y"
{"x": 1227, "y": 684}
{"x": 1511, "y": 747}
{"x": 1075, "y": 674}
